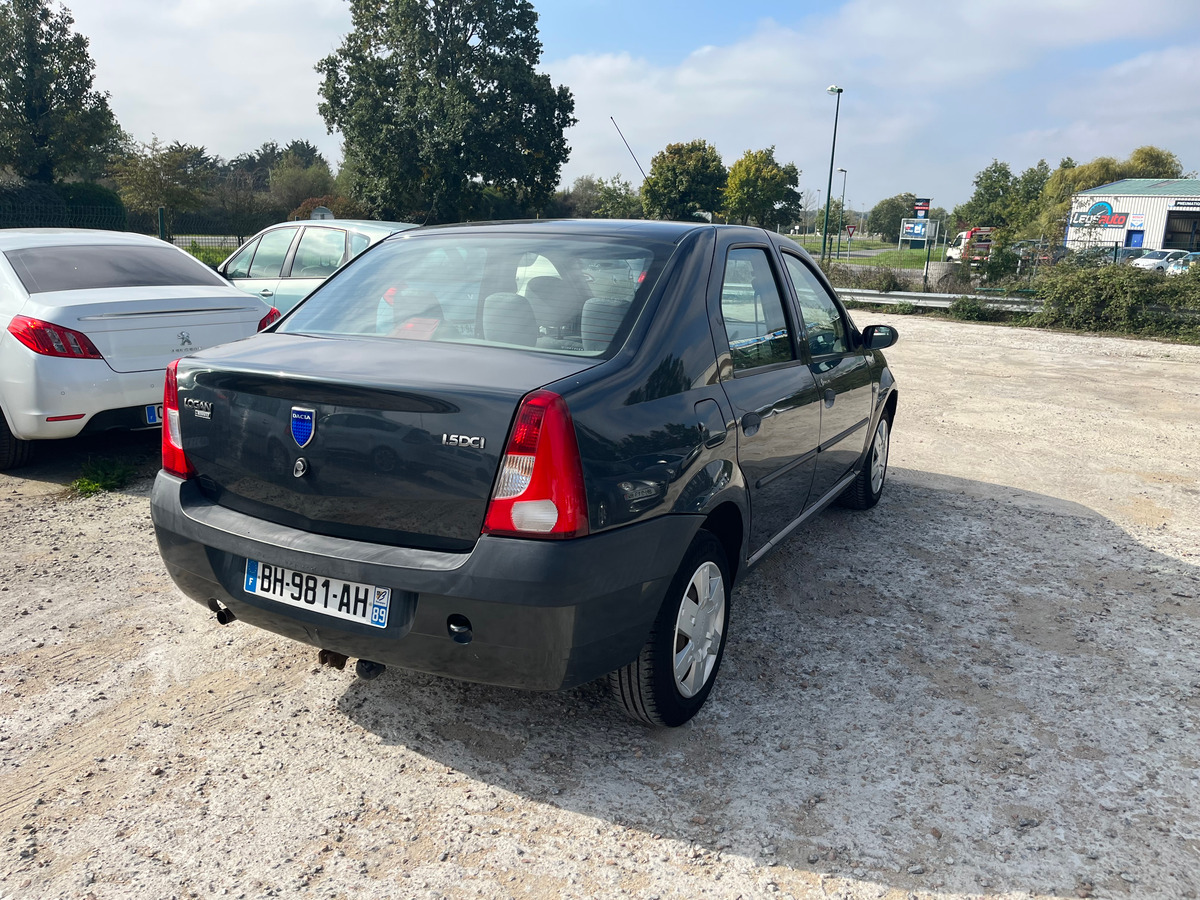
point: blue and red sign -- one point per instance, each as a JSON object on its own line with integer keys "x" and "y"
{"x": 1100, "y": 215}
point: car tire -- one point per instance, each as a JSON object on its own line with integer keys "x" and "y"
{"x": 14, "y": 452}
{"x": 865, "y": 491}
{"x": 675, "y": 670}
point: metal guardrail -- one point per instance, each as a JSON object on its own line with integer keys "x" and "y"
{"x": 937, "y": 301}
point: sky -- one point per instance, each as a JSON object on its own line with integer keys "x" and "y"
{"x": 932, "y": 92}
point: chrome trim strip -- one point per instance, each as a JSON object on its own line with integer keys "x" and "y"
{"x": 830, "y": 496}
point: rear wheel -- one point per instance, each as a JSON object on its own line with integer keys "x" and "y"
{"x": 14, "y": 452}
{"x": 865, "y": 491}
{"x": 674, "y": 673}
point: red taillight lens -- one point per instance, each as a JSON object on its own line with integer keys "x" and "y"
{"x": 49, "y": 339}
{"x": 269, "y": 319}
{"x": 174, "y": 460}
{"x": 539, "y": 492}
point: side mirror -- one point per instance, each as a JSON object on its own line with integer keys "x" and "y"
{"x": 879, "y": 337}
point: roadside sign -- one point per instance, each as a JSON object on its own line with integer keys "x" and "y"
{"x": 850, "y": 230}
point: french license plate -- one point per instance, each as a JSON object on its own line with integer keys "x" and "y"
{"x": 154, "y": 415}
{"x": 363, "y": 603}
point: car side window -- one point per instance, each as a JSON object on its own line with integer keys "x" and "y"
{"x": 272, "y": 248}
{"x": 358, "y": 243}
{"x": 823, "y": 323}
{"x": 320, "y": 252}
{"x": 751, "y": 305}
{"x": 239, "y": 266}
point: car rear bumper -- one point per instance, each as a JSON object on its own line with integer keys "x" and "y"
{"x": 37, "y": 390}
{"x": 544, "y": 615}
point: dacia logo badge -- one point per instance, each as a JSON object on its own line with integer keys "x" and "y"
{"x": 304, "y": 425}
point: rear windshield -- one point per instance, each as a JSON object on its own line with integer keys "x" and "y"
{"x": 557, "y": 294}
{"x": 44, "y": 269}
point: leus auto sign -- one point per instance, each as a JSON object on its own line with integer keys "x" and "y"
{"x": 1099, "y": 215}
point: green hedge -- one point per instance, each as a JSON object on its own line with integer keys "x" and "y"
{"x": 1119, "y": 298}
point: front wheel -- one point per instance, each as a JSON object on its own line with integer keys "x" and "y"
{"x": 675, "y": 670}
{"x": 865, "y": 491}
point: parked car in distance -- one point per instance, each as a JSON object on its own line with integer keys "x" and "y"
{"x": 1158, "y": 260}
{"x": 283, "y": 263}
{"x": 1183, "y": 264}
{"x": 1126, "y": 255}
{"x": 91, "y": 320}
{"x": 551, "y": 486}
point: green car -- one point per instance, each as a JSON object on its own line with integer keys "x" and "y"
{"x": 282, "y": 264}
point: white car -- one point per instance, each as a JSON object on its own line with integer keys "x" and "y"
{"x": 1158, "y": 260}
{"x": 91, "y": 319}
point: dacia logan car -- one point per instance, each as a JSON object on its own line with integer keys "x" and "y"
{"x": 475, "y": 451}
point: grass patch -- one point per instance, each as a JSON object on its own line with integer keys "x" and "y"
{"x": 210, "y": 256}
{"x": 101, "y": 476}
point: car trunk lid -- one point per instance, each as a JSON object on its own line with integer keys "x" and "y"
{"x": 393, "y": 442}
{"x": 141, "y": 329}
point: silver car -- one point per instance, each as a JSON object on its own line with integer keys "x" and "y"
{"x": 284, "y": 263}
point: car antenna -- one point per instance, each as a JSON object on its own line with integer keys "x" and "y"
{"x": 627, "y": 147}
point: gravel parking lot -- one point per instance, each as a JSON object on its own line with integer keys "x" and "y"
{"x": 988, "y": 685}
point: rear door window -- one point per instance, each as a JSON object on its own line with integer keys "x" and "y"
{"x": 752, "y": 308}
{"x": 69, "y": 268}
{"x": 320, "y": 252}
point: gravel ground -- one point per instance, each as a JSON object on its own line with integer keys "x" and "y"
{"x": 987, "y": 686}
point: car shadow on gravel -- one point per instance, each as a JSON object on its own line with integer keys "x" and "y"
{"x": 55, "y": 464}
{"x": 967, "y": 688}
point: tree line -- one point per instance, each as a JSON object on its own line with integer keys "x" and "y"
{"x": 442, "y": 116}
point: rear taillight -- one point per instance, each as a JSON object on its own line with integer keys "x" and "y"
{"x": 49, "y": 339}
{"x": 174, "y": 460}
{"x": 269, "y": 319}
{"x": 539, "y": 492}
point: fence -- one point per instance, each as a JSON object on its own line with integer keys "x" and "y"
{"x": 217, "y": 229}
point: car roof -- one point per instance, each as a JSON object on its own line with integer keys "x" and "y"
{"x": 647, "y": 229}
{"x": 370, "y": 226}
{"x": 24, "y": 238}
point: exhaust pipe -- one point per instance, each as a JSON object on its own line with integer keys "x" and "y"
{"x": 367, "y": 670}
{"x": 332, "y": 659}
{"x": 224, "y": 614}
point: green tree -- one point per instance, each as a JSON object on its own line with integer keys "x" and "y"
{"x": 989, "y": 203}
{"x": 582, "y": 198}
{"x": 293, "y": 182}
{"x": 616, "y": 199}
{"x": 759, "y": 189}
{"x": 51, "y": 121}
{"x": 1070, "y": 178}
{"x": 438, "y": 100}
{"x": 685, "y": 180}
{"x": 176, "y": 176}
{"x": 884, "y": 218}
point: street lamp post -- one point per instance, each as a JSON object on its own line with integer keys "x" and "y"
{"x": 837, "y": 92}
{"x": 841, "y": 215}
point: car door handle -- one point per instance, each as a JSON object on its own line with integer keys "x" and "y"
{"x": 750, "y": 423}
{"x": 266, "y": 292}
{"x": 830, "y": 396}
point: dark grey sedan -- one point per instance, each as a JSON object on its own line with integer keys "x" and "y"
{"x": 525, "y": 454}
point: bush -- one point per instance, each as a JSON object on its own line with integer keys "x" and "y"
{"x": 93, "y": 206}
{"x": 969, "y": 309}
{"x": 876, "y": 278}
{"x": 904, "y": 308}
{"x": 31, "y": 205}
{"x": 210, "y": 256}
{"x": 341, "y": 207}
{"x": 1118, "y": 298}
